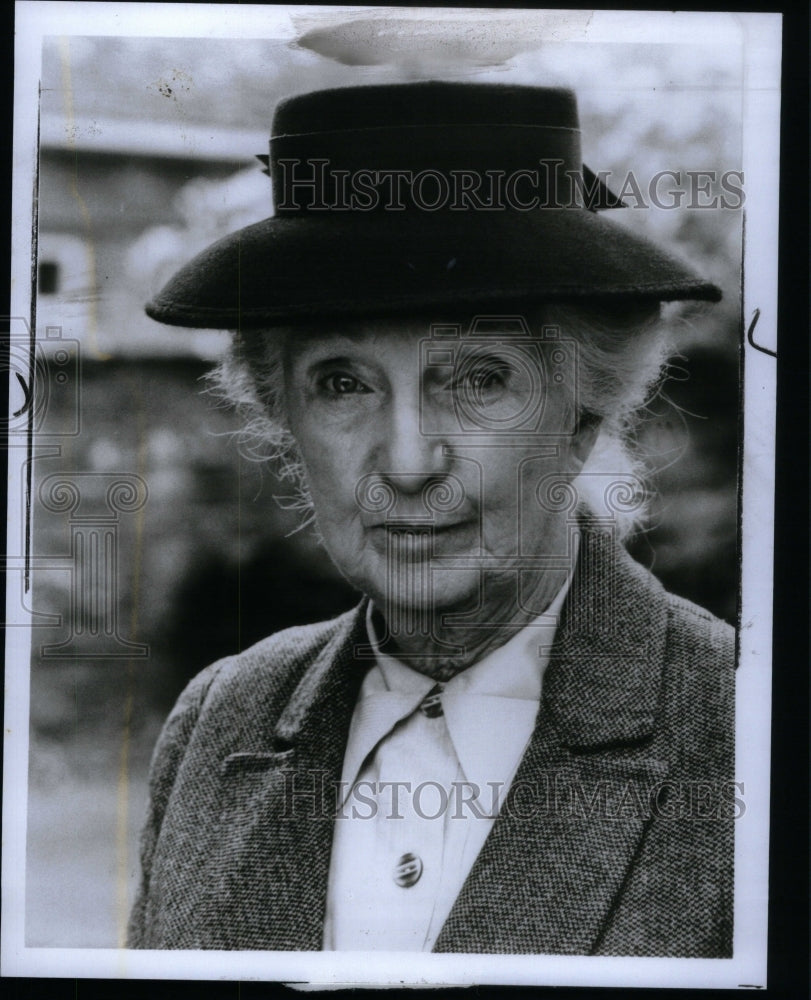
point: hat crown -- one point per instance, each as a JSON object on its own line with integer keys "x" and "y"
{"x": 430, "y": 102}
{"x": 422, "y": 146}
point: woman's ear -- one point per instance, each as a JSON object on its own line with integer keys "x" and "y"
{"x": 585, "y": 435}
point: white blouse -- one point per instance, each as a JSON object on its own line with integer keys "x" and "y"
{"x": 424, "y": 774}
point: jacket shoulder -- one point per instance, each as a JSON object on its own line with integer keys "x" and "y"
{"x": 285, "y": 654}
{"x": 257, "y": 683}
{"x": 233, "y": 701}
{"x": 693, "y": 629}
{"x": 267, "y": 664}
{"x": 699, "y": 702}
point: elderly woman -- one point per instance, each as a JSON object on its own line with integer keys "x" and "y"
{"x": 518, "y": 742}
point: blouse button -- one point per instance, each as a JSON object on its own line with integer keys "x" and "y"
{"x": 431, "y": 704}
{"x": 408, "y": 870}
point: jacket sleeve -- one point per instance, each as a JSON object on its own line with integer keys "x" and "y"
{"x": 166, "y": 760}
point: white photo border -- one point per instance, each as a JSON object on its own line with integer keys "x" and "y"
{"x": 760, "y": 36}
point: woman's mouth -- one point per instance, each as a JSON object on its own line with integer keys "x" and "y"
{"x": 404, "y": 538}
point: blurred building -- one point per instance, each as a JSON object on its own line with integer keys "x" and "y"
{"x": 122, "y": 203}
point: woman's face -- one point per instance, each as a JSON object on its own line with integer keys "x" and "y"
{"x": 425, "y": 453}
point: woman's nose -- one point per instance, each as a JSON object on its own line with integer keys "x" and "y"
{"x": 411, "y": 457}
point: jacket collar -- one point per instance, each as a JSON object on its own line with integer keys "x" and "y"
{"x": 602, "y": 686}
{"x": 330, "y": 685}
{"x": 280, "y": 795}
{"x": 557, "y": 857}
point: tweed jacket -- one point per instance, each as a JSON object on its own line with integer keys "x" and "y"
{"x": 621, "y": 842}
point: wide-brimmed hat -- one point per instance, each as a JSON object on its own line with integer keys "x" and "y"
{"x": 399, "y": 198}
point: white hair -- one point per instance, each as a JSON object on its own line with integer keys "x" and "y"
{"x": 621, "y": 350}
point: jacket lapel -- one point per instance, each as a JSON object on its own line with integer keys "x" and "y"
{"x": 279, "y": 801}
{"x": 554, "y": 864}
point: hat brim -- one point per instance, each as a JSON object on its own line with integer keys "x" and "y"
{"x": 294, "y": 269}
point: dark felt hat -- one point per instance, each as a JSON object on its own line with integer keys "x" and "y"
{"x": 398, "y": 198}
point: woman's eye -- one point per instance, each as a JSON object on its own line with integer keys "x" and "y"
{"x": 487, "y": 378}
{"x": 342, "y": 384}
{"x": 482, "y": 380}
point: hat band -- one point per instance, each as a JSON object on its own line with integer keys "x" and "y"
{"x": 427, "y": 168}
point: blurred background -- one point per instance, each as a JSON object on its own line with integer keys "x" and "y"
{"x": 147, "y": 154}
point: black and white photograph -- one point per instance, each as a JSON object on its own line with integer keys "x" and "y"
{"x": 391, "y": 445}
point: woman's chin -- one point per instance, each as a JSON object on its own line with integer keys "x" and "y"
{"x": 442, "y": 592}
